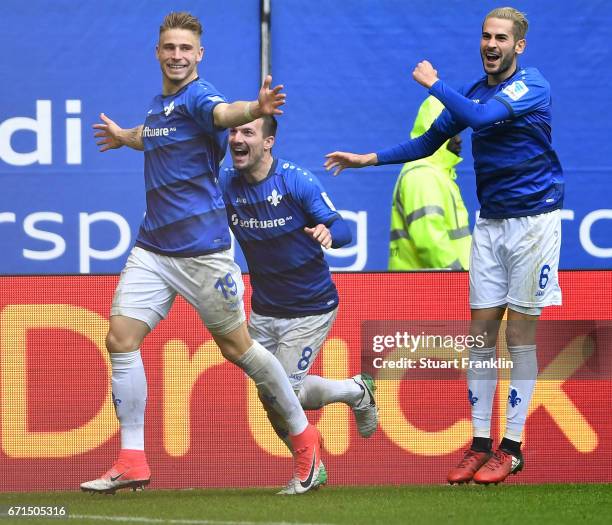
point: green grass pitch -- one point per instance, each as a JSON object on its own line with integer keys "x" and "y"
{"x": 413, "y": 505}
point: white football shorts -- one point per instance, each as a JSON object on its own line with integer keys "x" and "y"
{"x": 212, "y": 284}
{"x": 294, "y": 342}
{"x": 515, "y": 262}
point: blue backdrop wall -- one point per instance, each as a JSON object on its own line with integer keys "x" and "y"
{"x": 65, "y": 208}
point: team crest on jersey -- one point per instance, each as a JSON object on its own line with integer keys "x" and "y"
{"x": 169, "y": 109}
{"x": 275, "y": 198}
{"x": 516, "y": 90}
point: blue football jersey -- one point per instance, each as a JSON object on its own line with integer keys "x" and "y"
{"x": 517, "y": 171}
{"x": 289, "y": 274}
{"x": 183, "y": 149}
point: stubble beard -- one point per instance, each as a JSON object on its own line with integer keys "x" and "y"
{"x": 505, "y": 64}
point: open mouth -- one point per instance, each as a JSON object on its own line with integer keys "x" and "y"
{"x": 492, "y": 57}
{"x": 176, "y": 67}
{"x": 240, "y": 152}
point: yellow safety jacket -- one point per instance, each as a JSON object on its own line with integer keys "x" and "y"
{"x": 429, "y": 221}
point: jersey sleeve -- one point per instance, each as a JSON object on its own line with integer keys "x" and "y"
{"x": 314, "y": 199}
{"x": 224, "y": 175}
{"x": 442, "y": 129}
{"x": 526, "y": 94}
{"x": 467, "y": 111}
{"x": 446, "y": 125}
{"x": 413, "y": 149}
{"x": 201, "y": 105}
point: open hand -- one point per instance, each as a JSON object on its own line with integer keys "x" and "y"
{"x": 108, "y": 133}
{"x": 269, "y": 100}
{"x": 339, "y": 160}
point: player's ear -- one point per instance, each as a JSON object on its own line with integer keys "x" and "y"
{"x": 519, "y": 47}
{"x": 200, "y": 55}
{"x": 269, "y": 142}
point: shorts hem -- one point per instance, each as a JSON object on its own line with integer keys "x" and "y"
{"x": 494, "y": 304}
{"x": 135, "y": 313}
{"x": 531, "y": 304}
{"x": 223, "y": 328}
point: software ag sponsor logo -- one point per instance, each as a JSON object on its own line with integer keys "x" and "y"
{"x": 252, "y": 223}
{"x": 156, "y": 132}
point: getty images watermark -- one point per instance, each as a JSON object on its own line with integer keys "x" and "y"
{"x": 426, "y": 343}
{"x": 441, "y": 349}
{"x": 404, "y": 349}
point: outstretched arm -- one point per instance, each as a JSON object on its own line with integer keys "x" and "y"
{"x": 418, "y": 148}
{"x": 340, "y": 160}
{"x": 462, "y": 109}
{"x": 444, "y": 128}
{"x": 111, "y": 136}
{"x": 238, "y": 113}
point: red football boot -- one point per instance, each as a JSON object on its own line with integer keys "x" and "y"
{"x": 499, "y": 467}
{"x": 307, "y": 459}
{"x": 129, "y": 471}
{"x": 468, "y": 466}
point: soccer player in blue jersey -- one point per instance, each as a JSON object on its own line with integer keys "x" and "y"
{"x": 282, "y": 217}
{"x": 516, "y": 241}
{"x": 183, "y": 247}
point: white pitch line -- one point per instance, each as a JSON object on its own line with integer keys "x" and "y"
{"x": 139, "y": 519}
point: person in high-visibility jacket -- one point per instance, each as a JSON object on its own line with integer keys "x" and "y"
{"x": 429, "y": 221}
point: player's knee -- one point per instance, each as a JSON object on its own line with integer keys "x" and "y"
{"x": 522, "y": 324}
{"x": 517, "y": 335}
{"x": 483, "y": 336}
{"x": 513, "y": 334}
{"x": 231, "y": 352}
{"x": 234, "y": 344}
{"x": 122, "y": 342}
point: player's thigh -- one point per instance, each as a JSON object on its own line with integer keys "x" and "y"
{"x": 263, "y": 330}
{"x": 142, "y": 293}
{"x": 213, "y": 285}
{"x": 488, "y": 271}
{"x": 533, "y": 261}
{"x": 300, "y": 341}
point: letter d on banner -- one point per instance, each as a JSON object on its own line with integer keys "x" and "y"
{"x": 17, "y": 440}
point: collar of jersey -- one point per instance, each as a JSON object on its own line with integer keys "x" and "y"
{"x": 502, "y": 84}
{"x": 270, "y": 173}
{"x": 182, "y": 89}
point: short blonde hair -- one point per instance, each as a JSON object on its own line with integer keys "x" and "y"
{"x": 181, "y": 20}
{"x": 519, "y": 20}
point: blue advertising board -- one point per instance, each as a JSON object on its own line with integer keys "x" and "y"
{"x": 346, "y": 66}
